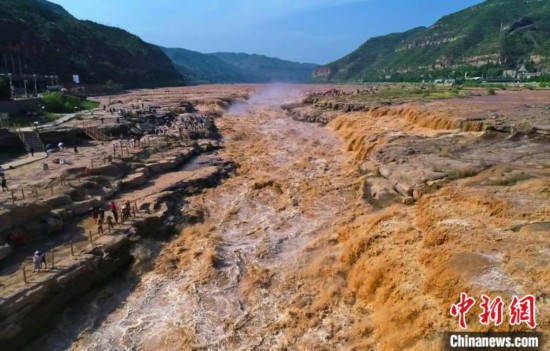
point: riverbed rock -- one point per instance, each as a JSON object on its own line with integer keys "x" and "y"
{"x": 54, "y": 224}
{"x": 58, "y": 201}
{"x": 379, "y": 191}
{"x": 63, "y": 213}
{"x": 369, "y": 168}
{"x": 206, "y": 145}
{"x": 164, "y": 165}
{"x": 17, "y": 215}
{"x": 107, "y": 170}
{"x": 139, "y": 177}
{"x": 83, "y": 207}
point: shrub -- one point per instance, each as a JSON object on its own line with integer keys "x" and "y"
{"x": 491, "y": 91}
{"x": 60, "y": 103}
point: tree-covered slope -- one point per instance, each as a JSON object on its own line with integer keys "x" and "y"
{"x": 46, "y": 39}
{"x": 502, "y": 33}
{"x": 200, "y": 68}
{"x": 260, "y": 68}
{"x": 237, "y": 67}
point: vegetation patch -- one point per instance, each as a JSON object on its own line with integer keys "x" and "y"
{"x": 63, "y": 103}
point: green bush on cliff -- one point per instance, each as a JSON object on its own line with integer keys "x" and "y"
{"x": 60, "y": 103}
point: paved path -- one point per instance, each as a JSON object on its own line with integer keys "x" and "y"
{"x": 24, "y": 160}
{"x": 58, "y": 121}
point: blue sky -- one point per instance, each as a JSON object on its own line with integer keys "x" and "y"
{"x": 317, "y": 31}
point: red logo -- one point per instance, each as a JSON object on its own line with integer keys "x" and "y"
{"x": 460, "y": 309}
{"x": 523, "y": 311}
{"x": 492, "y": 310}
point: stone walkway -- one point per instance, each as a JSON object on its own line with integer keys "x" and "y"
{"x": 58, "y": 121}
{"x": 24, "y": 160}
{"x": 76, "y": 231}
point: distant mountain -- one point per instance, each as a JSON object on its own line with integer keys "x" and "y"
{"x": 37, "y": 36}
{"x": 260, "y": 68}
{"x": 237, "y": 67}
{"x": 199, "y": 68}
{"x": 484, "y": 39}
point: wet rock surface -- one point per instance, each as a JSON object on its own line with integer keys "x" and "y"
{"x": 357, "y": 235}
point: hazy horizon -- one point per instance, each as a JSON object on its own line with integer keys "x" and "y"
{"x": 310, "y": 31}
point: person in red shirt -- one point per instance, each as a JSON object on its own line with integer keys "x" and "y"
{"x": 114, "y": 210}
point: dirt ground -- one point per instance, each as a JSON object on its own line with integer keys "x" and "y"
{"x": 292, "y": 255}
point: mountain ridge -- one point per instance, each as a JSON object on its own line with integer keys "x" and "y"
{"x": 231, "y": 67}
{"x": 496, "y": 34}
{"x": 43, "y": 38}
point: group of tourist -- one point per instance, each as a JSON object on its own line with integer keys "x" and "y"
{"x": 194, "y": 123}
{"x": 38, "y": 259}
{"x": 132, "y": 142}
{"x": 98, "y": 215}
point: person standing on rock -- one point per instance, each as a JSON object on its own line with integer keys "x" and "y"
{"x": 110, "y": 223}
{"x": 37, "y": 261}
{"x": 31, "y": 151}
{"x": 100, "y": 226}
{"x": 43, "y": 258}
{"x": 126, "y": 212}
{"x": 114, "y": 210}
{"x": 102, "y": 214}
{"x": 4, "y": 184}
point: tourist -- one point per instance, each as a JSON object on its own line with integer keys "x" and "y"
{"x": 102, "y": 214}
{"x": 102, "y": 120}
{"x": 95, "y": 214}
{"x": 76, "y": 150}
{"x": 31, "y": 150}
{"x": 4, "y": 184}
{"x": 60, "y": 145}
{"x": 37, "y": 261}
{"x": 100, "y": 226}
{"x": 125, "y": 212}
{"x": 2, "y": 172}
{"x": 42, "y": 254}
{"x": 114, "y": 210}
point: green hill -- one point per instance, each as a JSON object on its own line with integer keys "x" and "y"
{"x": 260, "y": 68}
{"x": 237, "y": 67}
{"x": 485, "y": 39}
{"x": 198, "y": 68}
{"x": 43, "y": 38}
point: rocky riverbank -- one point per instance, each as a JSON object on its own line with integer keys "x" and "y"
{"x": 155, "y": 179}
{"x": 301, "y": 248}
